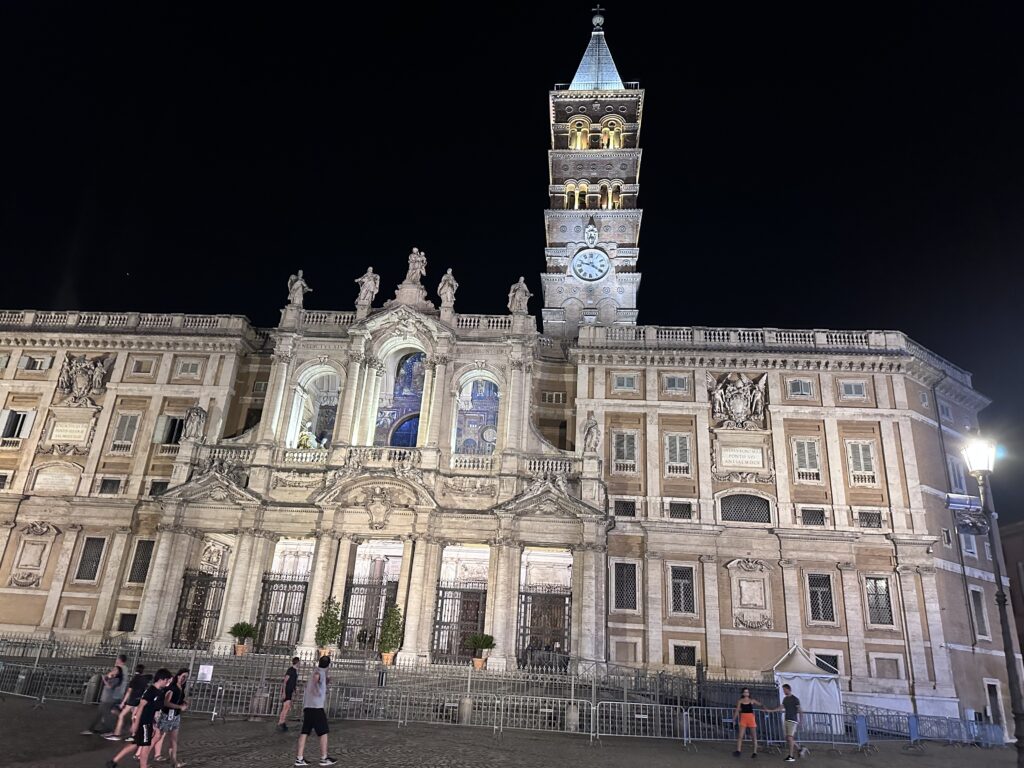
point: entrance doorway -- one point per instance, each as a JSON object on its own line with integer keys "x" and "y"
{"x": 461, "y": 602}
{"x": 545, "y": 608}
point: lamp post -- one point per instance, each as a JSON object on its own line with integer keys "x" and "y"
{"x": 980, "y": 456}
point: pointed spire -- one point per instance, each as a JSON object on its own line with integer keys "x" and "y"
{"x": 597, "y": 71}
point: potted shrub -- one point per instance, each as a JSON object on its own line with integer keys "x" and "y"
{"x": 243, "y": 631}
{"x": 390, "y": 634}
{"x": 328, "y": 625}
{"x": 479, "y": 643}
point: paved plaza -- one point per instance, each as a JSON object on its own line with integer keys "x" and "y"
{"x": 49, "y": 738}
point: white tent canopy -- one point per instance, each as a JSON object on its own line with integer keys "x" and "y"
{"x": 817, "y": 690}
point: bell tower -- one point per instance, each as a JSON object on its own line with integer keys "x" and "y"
{"x": 592, "y": 222}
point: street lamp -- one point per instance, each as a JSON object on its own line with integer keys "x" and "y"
{"x": 980, "y": 458}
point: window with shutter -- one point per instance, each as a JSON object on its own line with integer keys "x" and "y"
{"x": 968, "y": 544}
{"x": 683, "y": 597}
{"x": 861, "y": 460}
{"x": 978, "y": 610}
{"x": 808, "y": 463}
{"x": 677, "y": 454}
{"x": 124, "y": 432}
{"x": 745, "y": 508}
{"x": 624, "y": 382}
{"x": 853, "y": 390}
{"x": 110, "y": 485}
{"x": 828, "y": 662}
{"x": 624, "y": 460}
{"x": 675, "y": 385}
{"x": 957, "y": 476}
{"x": 800, "y": 388}
{"x": 945, "y": 412}
{"x": 812, "y": 516}
{"x": 625, "y": 586}
{"x": 624, "y": 507}
{"x": 680, "y": 510}
{"x": 89, "y": 561}
{"x": 126, "y": 622}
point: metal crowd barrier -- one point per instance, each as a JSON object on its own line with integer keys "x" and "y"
{"x": 545, "y": 713}
{"x": 654, "y": 721}
{"x": 835, "y": 730}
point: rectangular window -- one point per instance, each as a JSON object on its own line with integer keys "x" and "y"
{"x": 988, "y": 551}
{"x": 812, "y": 516}
{"x": 89, "y": 562}
{"x": 860, "y": 456}
{"x": 3, "y": 482}
{"x": 819, "y": 586}
{"x": 625, "y": 586}
{"x": 947, "y": 538}
{"x": 879, "y": 600}
{"x": 124, "y": 432}
{"x": 807, "y": 459}
{"x": 140, "y": 562}
{"x": 978, "y": 612}
{"x": 684, "y": 655}
{"x": 126, "y": 622}
{"x": 173, "y": 428}
{"x": 625, "y": 508}
{"x": 157, "y": 487}
{"x": 677, "y": 454}
{"x": 259, "y": 387}
{"x": 110, "y": 485}
{"x": 35, "y": 363}
{"x": 745, "y": 508}
{"x": 945, "y": 412}
{"x": 677, "y": 385}
{"x": 800, "y": 388}
{"x": 853, "y": 390}
{"x": 683, "y": 596}
{"x": 828, "y": 662}
{"x": 189, "y": 368}
{"x": 867, "y": 518}
{"x": 624, "y": 444}
{"x": 142, "y": 367}
{"x": 925, "y": 400}
{"x": 957, "y": 476}
{"x": 551, "y": 397}
{"x": 968, "y": 545}
{"x": 624, "y": 382}
{"x": 16, "y": 425}
{"x": 680, "y": 510}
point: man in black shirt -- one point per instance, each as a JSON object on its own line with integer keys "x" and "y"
{"x": 791, "y": 706}
{"x": 142, "y": 727}
{"x": 291, "y": 679}
{"x": 136, "y": 687}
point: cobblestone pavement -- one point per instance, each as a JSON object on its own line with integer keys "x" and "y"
{"x": 49, "y": 738}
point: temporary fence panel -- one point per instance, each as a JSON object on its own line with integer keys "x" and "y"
{"x": 656, "y": 721}
{"x": 540, "y": 713}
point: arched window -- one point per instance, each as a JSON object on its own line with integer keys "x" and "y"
{"x": 616, "y": 198}
{"x": 579, "y": 135}
{"x": 606, "y": 198}
{"x": 395, "y": 409}
{"x": 476, "y": 421}
{"x": 570, "y": 197}
{"x": 581, "y": 197}
{"x": 314, "y": 409}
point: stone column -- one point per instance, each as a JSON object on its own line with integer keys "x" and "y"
{"x": 238, "y": 582}
{"x": 404, "y": 574}
{"x": 513, "y": 408}
{"x": 180, "y": 556}
{"x": 854, "y": 622}
{"x": 270, "y": 427}
{"x": 912, "y": 619}
{"x": 712, "y": 612}
{"x": 5, "y": 536}
{"x": 702, "y": 464}
{"x": 437, "y": 401}
{"x": 343, "y": 422}
{"x": 588, "y": 591}
{"x": 654, "y": 576}
{"x": 155, "y": 595}
{"x": 262, "y": 561}
{"x": 794, "y": 601}
{"x": 425, "y": 398}
{"x": 940, "y": 654}
{"x": 652, "y": 463}
{"x": 60, "y": 574}
{"x": 422, "y": 597}
{"x": 324, "y": 556}
{"x": 117, "y": 561}
{"x": 505, "y": 599}
{"x": 344, "y": 567}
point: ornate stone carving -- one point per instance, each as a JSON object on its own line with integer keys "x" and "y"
{"x": 40, "y": 528}
{"x": 417, "y": 266}
{"x": 229, "y": 468}
{"x": 296, "y": 480}
{"x": 737, "y": 402}
{"x": 750, "y": 565}
{"x": 519, "y": 297}
{"x": 447, "y": 288}
{"x": 591, "y": 434}
{"x": 516, "y": 365}
{"x": 80, "y": 378}
{"x": 213, "y": 557}
{"x": 471, "y": 486}
{"x": 24, "y": 579}
{"x": 708, "y": 559}
{"x": 195, "y": 424}
{"x": 62, "y": 449}
{"x": 369, "y": 285}
{"x": 297, "y": 290}
{"x": 764, "y": 621}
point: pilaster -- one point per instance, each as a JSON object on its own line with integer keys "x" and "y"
{"x": 60, "y": 574}
{"x": 112, "y": 580}
{"x": 654, "y": 574}
{"x": 154, "y": 596}
{"x": 343, "y": 423}
{"x": 793, "y": 600}
{"x": 712, "y": 612}
{"x": 912, "y": 620}
{"x": 854, "y": 621}
{"x": 437, "y": 401}
{"x": 941, "y": 665}
{"x": 324, "y": 557}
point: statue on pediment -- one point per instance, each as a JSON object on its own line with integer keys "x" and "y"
{"x": 297, "y": 290}
{"x": 195, "y": 424}
{"x": 519, "y": 297}
{"x": 417, "y": 266}
{"x": 446, "y": 290}
{"x": 369, "y": 284}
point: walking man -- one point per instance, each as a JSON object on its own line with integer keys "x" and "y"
{"x": 113, "y": 690}
{"x": 136, "y": 687}
{"x": 314, "y": 718}
{"x": 145, "y": 713}
{"x": 791, "y": 706}
{"x": 291, "y": 679}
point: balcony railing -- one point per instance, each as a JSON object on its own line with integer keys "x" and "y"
{"x": 481, "y": 462}
{"x": 120, "y": 447}
{"x": 384, "y": 456}
{"x": 171, "y": 449}
{"x": 125, "y": 320}
{"x": 540, "y": 465}
{"x": 10, "y": 443}
{"x": 304, "y": 455}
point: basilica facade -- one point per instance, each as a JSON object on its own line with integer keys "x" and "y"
{"x": 567, "y": 481}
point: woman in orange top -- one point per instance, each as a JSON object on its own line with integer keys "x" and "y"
{"x": 744, "y": 719}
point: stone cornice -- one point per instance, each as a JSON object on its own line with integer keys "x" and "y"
{"x": 811, "y": 535}
{"x": 850, "y": 362}
{"x": 137, "y": 341}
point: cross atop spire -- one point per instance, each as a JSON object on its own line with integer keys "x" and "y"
{"x": 597, "y": 70}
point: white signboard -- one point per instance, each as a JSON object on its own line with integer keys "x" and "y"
{"x": 70, "y": 432}
{"x": 205, "y": 673}
{"x": 742, "y": 456}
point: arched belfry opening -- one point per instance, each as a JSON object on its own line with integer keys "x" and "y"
{"x": 398, "y": 409}
{"x": 314, "y": 407}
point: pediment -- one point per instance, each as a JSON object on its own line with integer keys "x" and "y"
{"x": 342, "y": 491}
{"x": 403, "y": 321}
{"x": 212, "y": 486}
{"x": 546, "y": 497}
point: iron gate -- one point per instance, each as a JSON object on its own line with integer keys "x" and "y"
{"x": 459, "y": 614}
{"x": 545, "y": 616}
{"x": 363, "y": 612}
{"x": 279, "y": 619}
{"x": 195, "y": 623}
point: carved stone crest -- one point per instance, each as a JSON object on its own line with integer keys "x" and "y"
{"x": 25, "y": 579}
{"x": 737, "y": 402}
{"x": 39, "y": 528}
{"x": 227, "y": 467}
{"x": 80, "y": 379}
{"x": 471, "y": 486}
{"x": 764, "y": 621}
{"x": 296, "y": 480}
{"x": 378, "y": 507}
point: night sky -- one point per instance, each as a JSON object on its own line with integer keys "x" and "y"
{"x": 831, "y": 165}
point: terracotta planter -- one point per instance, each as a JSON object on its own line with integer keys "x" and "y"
{"x": 387, "y": 658}
{"x": 478, "y": 662}
{"x": 241, "y": 650}
{"x": 323, "y": 652}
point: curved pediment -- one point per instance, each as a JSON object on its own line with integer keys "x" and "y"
{"x": 358, "y": 491}
{"x": 548, "y": 497}
{"x": 212, "y": 487}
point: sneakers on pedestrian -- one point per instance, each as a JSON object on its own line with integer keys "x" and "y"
{"x": 789, "y": 759}
{"x": 129, "y": 739}
{"x": 283, "y": 727}
{"x": 87, "y": 732}
{"x": 328, "y": 761}
{"x": 111, "y": 764}
{"x": 753, "y": 754}
{"x": 804, "y": 751}
{"x": 300, "y": 761}
{"x": 737, "y": 753}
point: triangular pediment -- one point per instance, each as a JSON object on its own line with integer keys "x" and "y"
{"x": 547, "y": 497}
{"x": 403, "y": 321}
{"x": 211, "y": 487}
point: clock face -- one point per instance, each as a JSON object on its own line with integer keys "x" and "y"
{"x": 590, "y": 264}
{"x": 489, "y": 434}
